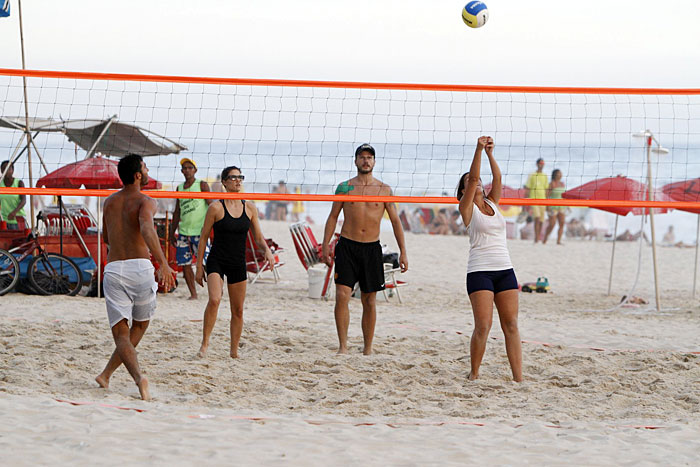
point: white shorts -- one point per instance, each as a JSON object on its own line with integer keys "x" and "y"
{"x": 130, "y": 290}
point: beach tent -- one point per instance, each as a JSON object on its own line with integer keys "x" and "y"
{"x": 109, "y": 137}
{"x": 618, "y": 188}
{"x": 688, "y": 190}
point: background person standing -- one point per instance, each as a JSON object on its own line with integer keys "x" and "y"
{"x": 536, "y": 188}
{"x": 11, "y": 206}
{"x": 188, "y": 219}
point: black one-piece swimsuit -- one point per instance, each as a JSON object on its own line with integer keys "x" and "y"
{"x": 227, "y": 255}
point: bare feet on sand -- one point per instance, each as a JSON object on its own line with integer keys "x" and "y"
{"x": 472, "y": 376}
{"x": 202, "y": 352}
{"x": 192, "y": 297}
{"x": 367, "y": 351}
{"x": 233, "y": 354}
{"x": 342, "y": 351}
{"x": 102, "y": 381}
{"x": 143, "y": 388}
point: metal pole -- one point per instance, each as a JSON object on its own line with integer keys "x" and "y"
{"x": 99, "y": 138}
{"x": 697, "y": 243}
{"x": 26, "y": 117}
{"x": 651, "y": 218}
{"x": 60, "y": 220}
{"x": 99, "y": 250}
{"x": 612, "y": 257}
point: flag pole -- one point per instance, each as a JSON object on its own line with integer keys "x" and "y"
{"x": 26, "y": 117}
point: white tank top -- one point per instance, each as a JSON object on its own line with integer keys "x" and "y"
{"x": 487, "y": 241}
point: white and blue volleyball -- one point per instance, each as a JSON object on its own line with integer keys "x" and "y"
{"x": 475, "y": 14}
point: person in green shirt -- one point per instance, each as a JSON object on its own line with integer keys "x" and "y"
{"x": 188, "y": 219}
{"x": 536, "y": 188}
{"x": 11, "y": 206}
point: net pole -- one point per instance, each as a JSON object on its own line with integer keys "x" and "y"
{"x": 651, "y": 219}
{"x": 697, "y": 244}
{"x": 612, "y": 257}
{"x": 26, "y": 116}
{"x": 99, "y": 247}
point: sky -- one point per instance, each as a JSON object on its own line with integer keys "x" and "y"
{"x": 620, "y": 43}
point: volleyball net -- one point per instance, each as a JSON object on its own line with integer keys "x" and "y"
{"x": 302, "y": 134}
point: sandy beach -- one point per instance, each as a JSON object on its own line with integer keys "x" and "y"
{"x": 594, "y": 379}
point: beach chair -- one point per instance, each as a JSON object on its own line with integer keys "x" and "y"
{"x": 310, "y": 251}
{"x": 256, "y": 264}
{"x": 391, "y": 283}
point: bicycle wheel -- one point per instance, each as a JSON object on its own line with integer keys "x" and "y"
{"x": 54, "y": 274}
{"x": 9, "y": 271}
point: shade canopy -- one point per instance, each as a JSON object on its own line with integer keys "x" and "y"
{"x": 93, "y": 173}
{"x": 687, "y": 190}
{"x": 109, "y": 137}
{"x": 618, "y": 188}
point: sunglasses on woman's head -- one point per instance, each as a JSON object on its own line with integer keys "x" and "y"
{"x": 236, "y": 177}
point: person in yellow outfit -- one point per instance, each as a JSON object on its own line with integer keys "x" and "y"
{"x": 11, "y": 206}
{"x": 536, "y": 188}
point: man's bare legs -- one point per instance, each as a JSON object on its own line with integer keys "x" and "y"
{"x": 126, "y": 353}
{"x": 189, "y": 279}
{"x": 215, "y": 286}
{"x": 236, "y": 294}
{"x": 482, "y": 308}
{"x": 507, "y": 305}
{"x": 342, "y": 316}
{"x": 369, "y": 318}
{"x": 138, "y": 329}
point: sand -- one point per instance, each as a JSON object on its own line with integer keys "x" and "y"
{"x": 592, "y": 377}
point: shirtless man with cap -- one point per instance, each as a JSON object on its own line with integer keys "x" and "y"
{"x": 358, "y": 254}
{"x": 129, "y": 284}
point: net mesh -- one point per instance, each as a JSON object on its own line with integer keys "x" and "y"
{"x": 306, "y": 134}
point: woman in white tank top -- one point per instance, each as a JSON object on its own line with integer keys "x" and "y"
{"x": 490, "y": 275}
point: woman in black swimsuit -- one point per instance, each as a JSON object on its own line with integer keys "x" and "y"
{"x": 231, "y": 219}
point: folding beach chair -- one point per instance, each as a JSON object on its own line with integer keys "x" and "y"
{"x": 391, "y": 284}
{"x": 310, "y": 251}
{"x": 256, "y": 264}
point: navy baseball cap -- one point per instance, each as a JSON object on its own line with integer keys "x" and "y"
{"x": 365, "y": 147}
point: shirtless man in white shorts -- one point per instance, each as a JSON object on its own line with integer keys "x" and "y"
{"x": 129, "y": 284}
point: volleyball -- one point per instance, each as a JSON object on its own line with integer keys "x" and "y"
{"x": 475, "y": 14}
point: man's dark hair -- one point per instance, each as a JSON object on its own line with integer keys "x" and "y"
{"x": 225, "y": 172}
{"x": 4, "y": 164}
{"x": 128, "y": 167}
{"x": 365, "y": 148}
{"x": 539, "y": 160}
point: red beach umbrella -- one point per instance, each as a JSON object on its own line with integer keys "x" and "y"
{"x": 95, "y": 172}
{"x": 688, "y": 190}
{"x": 508, "y": 192}
{"x": 618, "y": 188}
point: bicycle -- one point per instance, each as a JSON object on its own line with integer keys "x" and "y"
{"x": 48, "y": 273}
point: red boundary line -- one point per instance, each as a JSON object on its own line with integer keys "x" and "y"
{"x": 341, "y": 84}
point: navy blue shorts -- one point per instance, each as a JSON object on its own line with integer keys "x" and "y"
{"x": 495, "y": 281}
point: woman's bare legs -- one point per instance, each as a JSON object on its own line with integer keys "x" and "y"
{"x": 236, "y": 295}
{"x": 482, "y": 308}
{"x": 215, "y": 287}
{"x": 507, "y": 305}
{"x": 561, "y": 217}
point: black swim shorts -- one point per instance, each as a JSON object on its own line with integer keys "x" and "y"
{"x": 495, "y": 281}
{"x": 359, "y": 262}
{"x": 233, "y": 271}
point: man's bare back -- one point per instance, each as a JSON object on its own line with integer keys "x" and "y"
{"x": 362, "y": 219}
{"x": 122, "y": 212}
